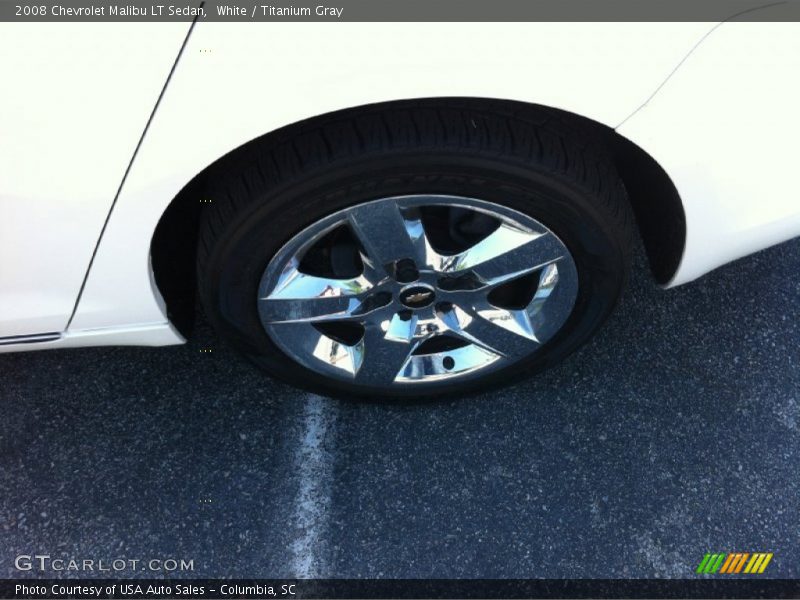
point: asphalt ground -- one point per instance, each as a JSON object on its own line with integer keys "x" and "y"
{"x": 673, "y": 433}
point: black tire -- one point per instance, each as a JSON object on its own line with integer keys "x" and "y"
{"x": 531, "y": 159}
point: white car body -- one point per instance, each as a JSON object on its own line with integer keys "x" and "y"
{"x": 714, "y": 104}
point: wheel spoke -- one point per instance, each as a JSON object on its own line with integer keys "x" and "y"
{"x": 505, "y": 254}
{"x": 515, "y": 321}
{"x": 386, "y": 235}
{"x": 508, "y": 333}
{"x": 291, "y": 310}
{"x": 335, "y": 354}
{"x": 302, "y": 297}
{"x": 292, "y": 284}
{"x": 381, "y": 357}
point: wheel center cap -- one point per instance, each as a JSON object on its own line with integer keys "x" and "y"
{"x": 417, "y": 296}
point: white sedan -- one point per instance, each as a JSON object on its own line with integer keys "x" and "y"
{"x": 381, "y": 209}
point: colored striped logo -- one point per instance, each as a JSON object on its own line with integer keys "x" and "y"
{"x": 735, "y": 562}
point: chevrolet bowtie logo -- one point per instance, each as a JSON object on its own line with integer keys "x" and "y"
{"x": 418, "y": 298}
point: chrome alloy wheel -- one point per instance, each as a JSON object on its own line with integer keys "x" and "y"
{"x": 417, "y": 289}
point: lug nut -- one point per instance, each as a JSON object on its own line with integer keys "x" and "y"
{"x": 405, "y": 271}
{"x": 443, "y": 307}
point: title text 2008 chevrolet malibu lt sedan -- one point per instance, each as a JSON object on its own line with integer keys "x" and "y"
{"x": 378, "y": 209}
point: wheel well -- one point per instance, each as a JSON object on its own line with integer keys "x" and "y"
{"x": 653, "y": 197}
